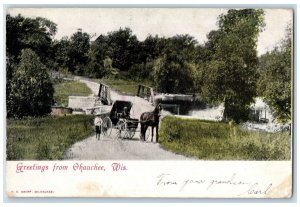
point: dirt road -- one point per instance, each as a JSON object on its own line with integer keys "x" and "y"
{"x": 119, "y": 149}
{"x": 112, "y": 148}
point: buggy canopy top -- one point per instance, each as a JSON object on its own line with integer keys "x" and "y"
{"x": 120, "y": 105}
{"x": 118, "y": 108}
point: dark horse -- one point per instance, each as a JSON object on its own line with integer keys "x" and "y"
{"x": 150, "y": 119}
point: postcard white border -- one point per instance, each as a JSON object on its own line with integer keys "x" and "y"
{"x": 137, "y": 2}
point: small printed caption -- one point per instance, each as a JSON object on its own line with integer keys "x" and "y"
{"x": 80, "y": 167}
{"x": 76, "y": 167}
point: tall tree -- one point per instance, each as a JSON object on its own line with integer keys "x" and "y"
{"x": 78, "y": 51}
{"x": 275, "y": 80}
{"x": 172, "y": 74}
{"x": 184, "y": 45}
{"x": 61, "y": 53}
{"x": 31, "y": 90}
{"x": 174, "y": 71}
{"x": 231, "y": 75}
{"x": 99, "y": 50}
{"x": 36, "y": 34}
{"x": 124, "y": 48}
{"x": 151, "y": 48}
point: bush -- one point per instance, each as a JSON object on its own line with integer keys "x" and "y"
{"x": 142, "y": 71}
{"x": 31, "y": 90}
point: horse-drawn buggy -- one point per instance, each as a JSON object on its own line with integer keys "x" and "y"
{"x": 118, "y": 123}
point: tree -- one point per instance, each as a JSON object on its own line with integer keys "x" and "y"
{"x": 172, "y": 74}
{"x": 174, "y": 71}
{"x": 151, "y": 48}
{"x": 61, "y": 54}
{"x": 107, "y": 63}
{"x": 274, "y": 84}
{"x": 100, "y": 49}
{"x": 35, "y": 34}
{"x": 31, "y": 90}
{"x": 205, "y": 52}
{"x": 123, "y": 48}
{"x": 78, "y": 52}
{"x": 232, "y": 72}
{"x": 96, "y": 56}
{"x": 184, "y": 45}
{"x": 143, "y": 71}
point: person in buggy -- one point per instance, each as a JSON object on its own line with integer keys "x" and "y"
{"x": 125, "y": 113}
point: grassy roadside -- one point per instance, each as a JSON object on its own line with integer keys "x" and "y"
{"x": 45, "y": 138}
{"x": 64, "y": 89}
{"x": 217, "y": 141}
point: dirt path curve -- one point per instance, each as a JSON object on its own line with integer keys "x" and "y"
{"x": 119, "y": 149}
{"x": 110, "y": 148}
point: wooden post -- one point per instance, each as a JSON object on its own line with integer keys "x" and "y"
{"x": 152, "y": 96}
{"x": 108, "y": 97}
{"x": 265, "y": 113}
{"x": 138, "y": 92}
{"x": 99, "y": 92}
{"x": 145, "y": 91}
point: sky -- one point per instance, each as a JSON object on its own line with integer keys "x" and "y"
{"x": 167, "y": 22}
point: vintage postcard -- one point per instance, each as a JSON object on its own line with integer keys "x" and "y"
{"x": 149, "y": 102}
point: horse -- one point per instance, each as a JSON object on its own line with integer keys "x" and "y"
{"x": 150, "y": 119}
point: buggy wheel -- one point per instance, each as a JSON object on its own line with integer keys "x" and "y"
{"x": 107, "y": 126}
{"x": 121, "y": 129}
{"x": 130, "y": 131}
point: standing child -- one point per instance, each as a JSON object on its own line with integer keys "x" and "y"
{"x": 98, "y": 123}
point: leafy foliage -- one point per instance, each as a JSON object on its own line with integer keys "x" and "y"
{"x": 172, "y": 74}
{"x": 222, "y": 70}
{"x": 61, "y": 53}
{"x": 35, "y": 34}
{"x": 174, "y": 71}
{"x": 78, "y": 52}
{"x": 31, "y": 90}
{"x": 231, "y": 74}
{"x": 124, "y": 48}
{"x": 274, "y": 84}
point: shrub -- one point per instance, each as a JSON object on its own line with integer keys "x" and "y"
{"x": 31, "y": 90}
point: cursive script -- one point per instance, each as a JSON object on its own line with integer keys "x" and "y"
{"x": 164, "y": 180}
{"x": 189, "y": 181}
{"x": 255, "y": 189}
{"x": 208, "y": 184}
{"x": 231, "y": 181}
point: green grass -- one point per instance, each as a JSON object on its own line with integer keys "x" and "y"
{"x": 217, "y": 141}
{"x": 128, "y": 87}
{"x": 45, "y": 138}
{"x": 64, "y": 89}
